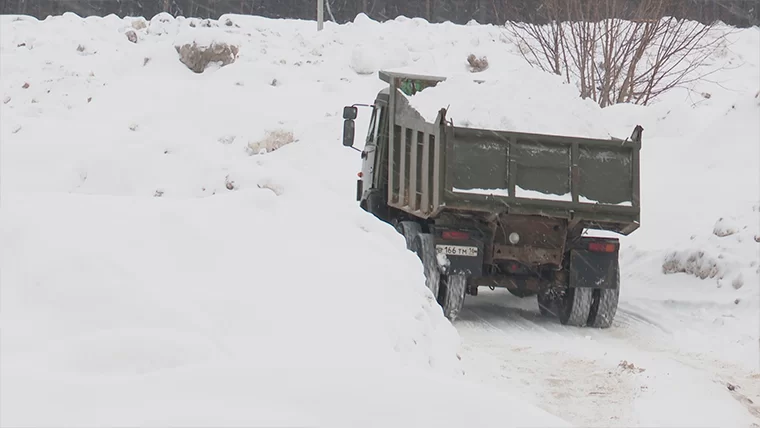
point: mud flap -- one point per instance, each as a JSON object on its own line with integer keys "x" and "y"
{"x": 590, "y": 269}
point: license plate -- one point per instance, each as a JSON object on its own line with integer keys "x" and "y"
{"x": 457, "y": 250}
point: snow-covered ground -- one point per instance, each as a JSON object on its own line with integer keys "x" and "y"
{"x": 159, "y": 267}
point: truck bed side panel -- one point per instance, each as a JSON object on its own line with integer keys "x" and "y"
{"x": 483, "y": 162}
{"x": 595, "y": 180}
{"x": 606, "y": 174}
{"x": 437, "y": 166}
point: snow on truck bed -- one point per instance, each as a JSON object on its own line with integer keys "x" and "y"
{"x": 512, "y": 101}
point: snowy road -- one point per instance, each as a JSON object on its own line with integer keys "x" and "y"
{"x": 635, "y": 373}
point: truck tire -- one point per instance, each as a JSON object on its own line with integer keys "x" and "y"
{"x": 547, "y": 304}
{"x": 575, "y": 305}
{"x": 604, "y": 303}
{"x": 410, "y": 230}
{"x": 375, "y": 205}
{"x": 424, "y": 245}
{"x": 451, "y": 295}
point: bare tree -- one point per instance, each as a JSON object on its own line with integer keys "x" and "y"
{"x": 615, "y": 51}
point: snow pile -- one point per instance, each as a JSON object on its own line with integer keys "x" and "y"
{"x": 201, "y": 47}
{"x": 203, "y": 33}
{"x": 218, "y": 272}
{"x": 716, "y": 184}
{"x": 163, "y": 24}
{"x": 510, "y": 102}
{"x": 155, "y": 272}
{"x": 727, "y": 255}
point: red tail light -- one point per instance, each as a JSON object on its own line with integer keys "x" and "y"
{"x": 602, "y": 247}
{"x": 455, "y": 235}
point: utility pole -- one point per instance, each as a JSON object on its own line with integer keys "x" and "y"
{"x": 320, "y": 15}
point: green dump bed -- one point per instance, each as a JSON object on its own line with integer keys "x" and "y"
{"x": 435, "y": 167}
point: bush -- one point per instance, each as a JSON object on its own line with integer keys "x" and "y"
{"x": 477, "y": 64}
{"x": 271, "y": 142}
{"x": 196, "y": 57}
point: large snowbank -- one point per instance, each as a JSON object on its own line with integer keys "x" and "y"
{"x": 157, "y": 268}
{"x": 129, "y": 309}
{"x": 241, "y": 274}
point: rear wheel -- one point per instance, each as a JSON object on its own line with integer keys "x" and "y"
{"x": 547, "y": 304}
{"x": 575, "y": 306}
{"x": 604, "y": 304}
{"x": 410, "y": 230}
{"x": 451, "y": 294}
{"x": 424, "y": 245}
{"x": 519, "y": 292}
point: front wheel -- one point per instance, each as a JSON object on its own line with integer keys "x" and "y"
{"x": 451, "y": 295}
{"x": 547, "y": 304}
{"x": 424, "y": 246}
{"x": 409, "y": 230}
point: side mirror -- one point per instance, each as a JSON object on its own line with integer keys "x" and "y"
{"x": 348, "y": 133}
{"x": 350, "y": 112}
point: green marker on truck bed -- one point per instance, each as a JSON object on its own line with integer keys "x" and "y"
{"x": 500, "y": 209}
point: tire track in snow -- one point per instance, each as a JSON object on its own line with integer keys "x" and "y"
{"x": 574, "y": 372}
{"x": 740, "y": 382}
{"x": 509, "y": 343}
{"x": 628, "y": 315}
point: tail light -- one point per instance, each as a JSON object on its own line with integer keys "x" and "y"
{"x": 602, "y": 247}
{"x": 455, "y": 235}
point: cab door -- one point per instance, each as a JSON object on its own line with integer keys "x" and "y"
{"x": 369, "y": 153}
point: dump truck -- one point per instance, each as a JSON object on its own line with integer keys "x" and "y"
{"x": 493, "y": 208}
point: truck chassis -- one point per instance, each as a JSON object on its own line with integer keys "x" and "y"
{"x": 411, "y": 172}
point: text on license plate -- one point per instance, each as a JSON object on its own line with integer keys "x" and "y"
{"x": 457, "y": 250}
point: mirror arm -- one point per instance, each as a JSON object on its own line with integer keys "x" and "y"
{"x": 358, "y": 150}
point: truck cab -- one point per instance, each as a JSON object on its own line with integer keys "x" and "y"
{"x": 370, "y": 183}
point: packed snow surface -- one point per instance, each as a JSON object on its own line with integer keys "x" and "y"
{"x": 181, "y": 248}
